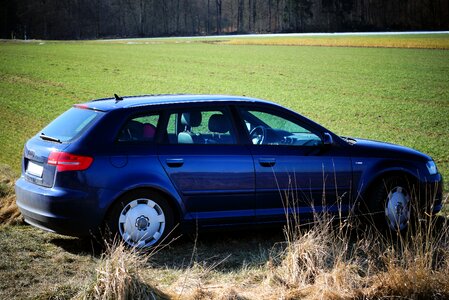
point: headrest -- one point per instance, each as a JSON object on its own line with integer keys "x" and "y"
{"x": 219, "y": 123}
{"x": 148, "y": 131}
{"x": 192, "y": 119}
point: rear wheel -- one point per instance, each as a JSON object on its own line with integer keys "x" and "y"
{"x": 390, "y": 204}
{"x": 141, "y": 219}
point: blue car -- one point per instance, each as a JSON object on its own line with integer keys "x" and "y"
{"x": 139, "y": 166}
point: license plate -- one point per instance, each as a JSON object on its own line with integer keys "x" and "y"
{"x": 35, "y": 169}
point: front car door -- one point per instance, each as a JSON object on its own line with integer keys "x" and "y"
{"x": 213, "y": 173}
{"x": 295, "y": 171}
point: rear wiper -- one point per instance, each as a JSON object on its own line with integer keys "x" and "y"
{"x": 49, "y": 138}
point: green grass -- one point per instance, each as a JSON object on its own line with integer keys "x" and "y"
{"x": 394, "y": 95}
{"x": 389, "y": 94}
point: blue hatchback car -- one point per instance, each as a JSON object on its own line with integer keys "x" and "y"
{"x": 140, "y": 165}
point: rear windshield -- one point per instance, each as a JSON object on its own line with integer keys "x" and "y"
{"x": 70, "y": 124}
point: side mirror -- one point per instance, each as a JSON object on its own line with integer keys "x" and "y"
{"x": 328, "y": 140}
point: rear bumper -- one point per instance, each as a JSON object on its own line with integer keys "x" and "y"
{"x": 64, "y": 211}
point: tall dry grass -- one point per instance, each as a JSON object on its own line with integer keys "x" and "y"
{"x": 9, "y": 212}
{"x": 415, "y": 266}
{"x": 344, "y": 260}
{"x": 119, "y": 276}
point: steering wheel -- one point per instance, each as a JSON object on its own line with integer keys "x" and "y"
{"x": 257, "y": 135}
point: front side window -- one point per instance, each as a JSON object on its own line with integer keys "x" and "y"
{"x": 266, "y": 128}
{"x": 139, "y": 129}
{"x": 200, "y": 126}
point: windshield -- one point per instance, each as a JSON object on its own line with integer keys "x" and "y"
{"x": 69, "y": 125}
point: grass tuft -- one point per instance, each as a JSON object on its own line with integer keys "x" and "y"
{"x": 317, "y": 264}
{"x": 416, "y": 265}
{"x": 118, "y": 276}
{"x": 9, "y": 212}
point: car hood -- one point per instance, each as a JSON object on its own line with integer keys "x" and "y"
{"x": 371, "y": 148}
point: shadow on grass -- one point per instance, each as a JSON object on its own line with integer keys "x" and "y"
{"x": 227, "y": 250}
{"x": 238, "y": 247}
{"x": 79, "y": 246}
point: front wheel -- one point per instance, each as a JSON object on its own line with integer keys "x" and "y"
{"x": 141, "y": 219}
{"x": 391, "y": 204}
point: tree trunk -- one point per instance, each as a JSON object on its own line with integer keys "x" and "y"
{"x": 97, "y": 18}
{"x": 254, "y": 15}
{"x": 240, "y": 16}
{"x": 269, "y": 16}
{"x": 218, "y": 4}
{"x": 208, "y": 18}
{"x": 141, "y": 18}
{"x": 178, "y": 12}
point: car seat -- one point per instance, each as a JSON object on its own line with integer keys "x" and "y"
{"x": 190, "y": 120}
{"x": 218, "y": 124}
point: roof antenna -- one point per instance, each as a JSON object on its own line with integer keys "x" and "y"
{"x": 118, "y": 98}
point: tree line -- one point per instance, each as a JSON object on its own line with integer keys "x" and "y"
{"x": 91, "y": 19}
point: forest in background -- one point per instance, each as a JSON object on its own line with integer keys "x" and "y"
{"x": 92, "y": 19}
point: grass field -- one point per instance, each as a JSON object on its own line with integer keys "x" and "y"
{"x": 393, "y": 95}
{"x": 372, "y": 87}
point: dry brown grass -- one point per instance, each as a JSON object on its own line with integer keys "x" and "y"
{"x": 416, "y": 266}
{"x": 118, "y": 276}
{"x": 414, "y": 42}
{"x": 317, "y": 264}
{"x": 9, "y": 212}
{"x": 331, "y": 262}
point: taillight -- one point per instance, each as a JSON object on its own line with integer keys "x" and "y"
{"x": 69, "y": 162}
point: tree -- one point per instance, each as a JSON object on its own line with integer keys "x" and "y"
{"x": 218, "y": 7}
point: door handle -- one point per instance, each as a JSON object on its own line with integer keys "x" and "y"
{"x": 174, "y": 162}
{"x": 267, "y": 162}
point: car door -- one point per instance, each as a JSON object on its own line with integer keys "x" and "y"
{"x": 295, "y": 171}
{"x": 213, "y": 173}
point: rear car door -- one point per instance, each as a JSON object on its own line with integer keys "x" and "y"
{"x": 295, "y": 171}
{"x": 213, "y": 173}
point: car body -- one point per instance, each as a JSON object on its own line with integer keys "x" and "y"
{"x": 140, "y": 165}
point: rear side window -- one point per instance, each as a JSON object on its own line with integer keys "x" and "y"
{"x": 71, "y": 124}
{"x": 139, "y": 129}
{"x": 200, "y": 126}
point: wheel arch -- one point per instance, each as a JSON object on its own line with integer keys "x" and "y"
{"x": 171, "y": 200}
{"x": 379, "y": 176}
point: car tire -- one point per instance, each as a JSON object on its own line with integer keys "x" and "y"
{"x": 140, "y": 219}
{"x": 390, "y": 204}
